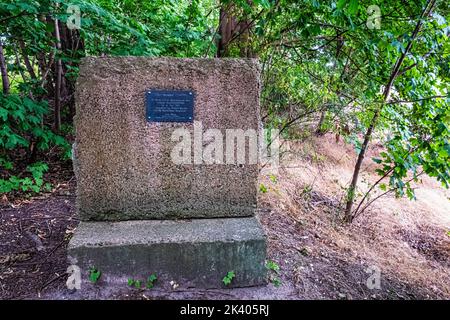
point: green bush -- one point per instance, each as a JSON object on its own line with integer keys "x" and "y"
{"x": 22, "y": 128}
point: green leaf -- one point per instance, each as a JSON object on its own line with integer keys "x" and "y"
{"x": 48, "y": 186}
{"x": 341, "y": 4}
{"x": 264, "y": 3}
{"x": 399, "y": 46}
{"x": 228, "y": 278}
{"x": 353, "y": 7}
{"x": 35, "y": 188}
{"x": 3, "y": 114}
{"x": 271, "y": 265}
{"x": 94, "y": 275}
{"x": 151, "y": 281}
{"x": 262, "y": 188}
{"x": 276, "y": 282}
{"x": 377, "y": 160}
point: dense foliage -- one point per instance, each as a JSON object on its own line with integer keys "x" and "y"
{"x": 363, "y": 69}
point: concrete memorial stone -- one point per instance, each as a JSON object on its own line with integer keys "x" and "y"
{"x": 162, "y": 183}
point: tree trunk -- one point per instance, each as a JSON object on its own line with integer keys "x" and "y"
{"x": 46, "y": 64}
{"x": 244, "y": 27}
{"x": 26, "y": 60}
{"x": 386, "y": 96}
{"x": 58, "y": 75}
{"x": 19, "y": 65}
{"x": 227, "y": 24}
{"x": 233, "y": 28}
{"x": 319, "y": 130}
{"x": 65, "y": 47}
{"x": 4, "y": 71}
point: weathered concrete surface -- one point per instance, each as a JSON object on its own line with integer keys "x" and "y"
{"x": 124, "y": 167}
{"x": 196, "y": 252}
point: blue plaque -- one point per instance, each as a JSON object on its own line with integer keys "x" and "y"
{"x": 169, "y": 106}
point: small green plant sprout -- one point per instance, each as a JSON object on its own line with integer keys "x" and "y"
{"x": 448, "y": 233}
{"x": 275, "y": 270}
{"x": 48, "y": 187}
{"x": 151, "y": 281}
{"x": 228, "y": 278}
{"x": 272, "y": 265}
{"x": 130, "y": 282}
{"x": 273, "y": 178}
{"x": 262, "y": 188}
{"x": 94, "y": 274}
{"x": 137, "y": 284}
{"x": 276, "y": 281}
{"x": 307, "y": 189}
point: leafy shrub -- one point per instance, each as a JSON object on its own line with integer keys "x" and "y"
{"x": 34, "y": 183}
{"x": 22, "y": 123}
{"x": 22, "y": 128}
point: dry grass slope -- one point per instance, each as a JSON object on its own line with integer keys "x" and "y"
{"x": 407, "y": 240}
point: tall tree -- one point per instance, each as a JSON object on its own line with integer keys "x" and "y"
{"x": 58, "y": 79}
{"x": 386, "y": 96}
{"x": 4, "y": 70}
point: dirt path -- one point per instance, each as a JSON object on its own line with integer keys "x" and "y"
{"x": 33, "y": 239}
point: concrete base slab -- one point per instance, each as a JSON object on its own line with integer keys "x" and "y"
{"x": 197, "y": 252}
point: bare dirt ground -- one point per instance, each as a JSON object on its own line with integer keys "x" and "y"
{"x": 319, "y": 257}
